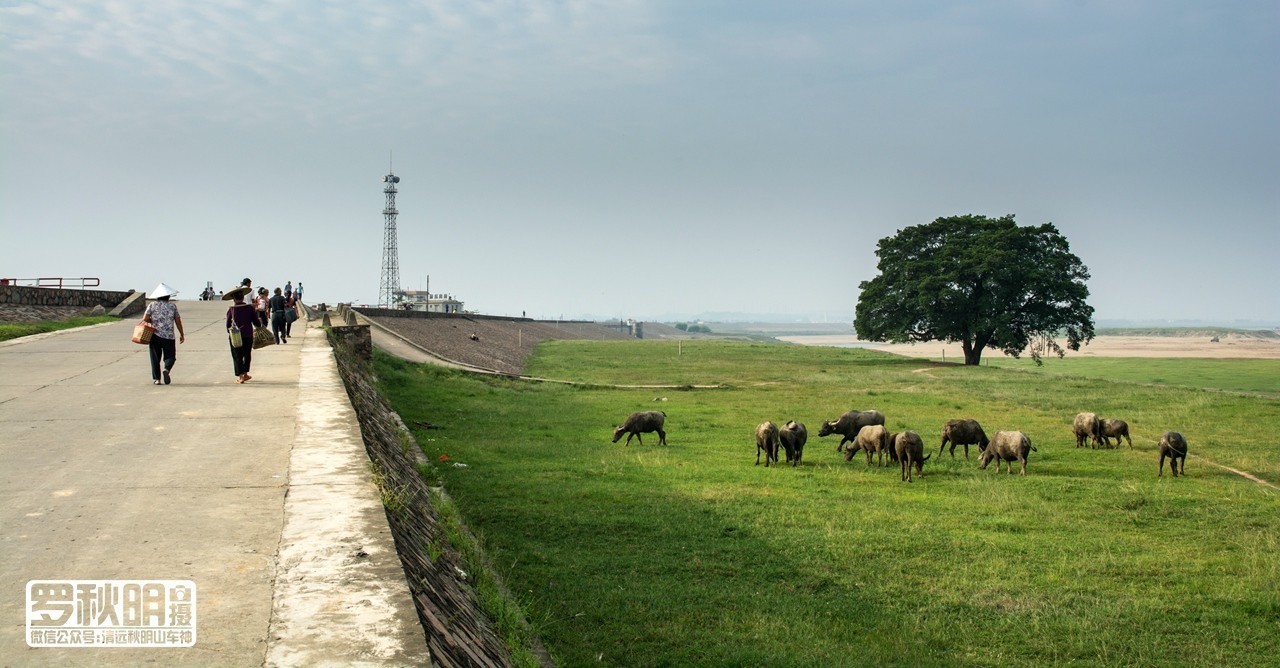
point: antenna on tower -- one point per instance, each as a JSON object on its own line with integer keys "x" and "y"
{"x": 389, "y": 288}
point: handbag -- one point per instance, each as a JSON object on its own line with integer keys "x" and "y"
{"x": 233, "y": 333}
{"x": 262, "y": 337}
{"x": 290, "y": 315}
{"x": 142, "y": 332}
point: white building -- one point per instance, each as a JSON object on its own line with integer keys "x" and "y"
{"x": 422, "y": 300}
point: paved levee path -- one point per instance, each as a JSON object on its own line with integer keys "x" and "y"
{"x": 259, "y": 493}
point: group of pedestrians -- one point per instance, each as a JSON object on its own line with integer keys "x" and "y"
{"x": 265, "y": 310}
{"x": 248, "y": 310}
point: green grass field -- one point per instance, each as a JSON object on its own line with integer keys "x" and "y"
{"x": 1260, "y": 376}
{"x": 13, "y": 331}
{"x": 690, "y": 555}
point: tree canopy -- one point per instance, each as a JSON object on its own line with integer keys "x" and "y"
{"x": 978, "y": 281}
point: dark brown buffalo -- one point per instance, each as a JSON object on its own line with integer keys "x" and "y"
{"x": 793, "y": 436}
{"x": 642, "y": 422}
{"x": 910, "y": 449}
{"x": 1173, "y": 446}
{"x": 963, "y": 432}
{"x": 849, "y": 424}
{"x": 1115, "y": 429}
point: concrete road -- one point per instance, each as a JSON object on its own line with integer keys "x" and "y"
{"x": 259, "y": 493}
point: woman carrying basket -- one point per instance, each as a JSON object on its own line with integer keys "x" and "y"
{"x": 242, "y": 317}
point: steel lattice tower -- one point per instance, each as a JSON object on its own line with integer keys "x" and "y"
{"x": 389, "y": 287}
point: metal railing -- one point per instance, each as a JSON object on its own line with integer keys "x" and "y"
{"x": 53, "y": 282}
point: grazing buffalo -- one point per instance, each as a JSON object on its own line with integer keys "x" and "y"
{"x": 872, "y": 439}
{"x": 793, "y": 436}
{"x": 963, "y": 432}
{"x": 642, "y": 422}
{"x": 1173, "y": 446}
{"x": 1008, "y": 446}
{"x": 1087, "y": 426}
{"x": 849, "y": 424}
{"x": 1115, "y": 429}
{"x": 767, "y": 441}
{"x": 910, "y": 449}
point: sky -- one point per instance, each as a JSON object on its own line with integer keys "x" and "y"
{"x": 639, "y": 159}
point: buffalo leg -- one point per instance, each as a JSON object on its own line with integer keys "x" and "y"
{"x": 1161, "y": 473}
{"x": 662, "y": 437}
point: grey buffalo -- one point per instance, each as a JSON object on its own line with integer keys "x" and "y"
{"x": 1008, "y": 446}
{"x": 767, "y": 441}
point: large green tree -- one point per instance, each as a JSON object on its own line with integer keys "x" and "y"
{"x": 978, "y": 281}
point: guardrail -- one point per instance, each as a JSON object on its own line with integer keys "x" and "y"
{"x": 53, "y": 282}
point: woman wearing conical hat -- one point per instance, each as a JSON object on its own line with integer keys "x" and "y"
{"x": 162, "y": 313}
{"x": 242, "y": 316}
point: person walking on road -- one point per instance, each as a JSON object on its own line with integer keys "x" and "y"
{"x": 278, "y": 304}
{"x": 243, "y": 317}
{"x": 290, "y": 314}
{"x": 260, "y": 305}
{"x": 163, "y": 315}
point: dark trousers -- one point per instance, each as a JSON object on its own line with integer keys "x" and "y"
{"x": 162, "y": 348}
{"x": 240, "y": 357}
{"x": 278, "y": 325}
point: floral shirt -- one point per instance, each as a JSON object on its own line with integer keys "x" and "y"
{"x": 162, "y": 315}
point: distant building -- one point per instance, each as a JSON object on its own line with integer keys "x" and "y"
{"x": 422, "y": 300}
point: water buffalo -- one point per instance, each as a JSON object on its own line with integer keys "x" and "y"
{"x": 767, "y": 440}
{"x": 963, "y": 432}
{"x": 910, "y": 449}
{"x": 793, "y": 436}
{"x": 847, "y": 425}
{"x": 872, "y": 439}
{"x": 1087, "y": 425}
{"x": 1115, "y": 429}
{"x": 642, "y": 422}
{"x": 1008, "y": 446}
{"x": 1173, "y": 446}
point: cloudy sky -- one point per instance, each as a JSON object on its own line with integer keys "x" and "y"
{"x": 639, "y": 158}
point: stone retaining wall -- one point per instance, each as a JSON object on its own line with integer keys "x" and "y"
{"x": 457, "y": 632}
{"x": 33, "y": 296}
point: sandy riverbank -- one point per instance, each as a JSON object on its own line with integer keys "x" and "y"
{"x": 1229, "y": 347}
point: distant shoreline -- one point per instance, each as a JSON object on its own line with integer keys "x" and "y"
{"x": 1230, "y": 346}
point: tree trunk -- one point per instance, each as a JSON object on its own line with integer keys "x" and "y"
{"x": 972, "y": 353}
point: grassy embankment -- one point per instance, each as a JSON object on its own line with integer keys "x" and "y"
{"x": 691, "y": 555}
{"x": 13, "y": 331}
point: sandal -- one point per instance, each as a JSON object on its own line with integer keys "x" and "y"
{"x": 155, "y": 382}
{"x": 165, "y": 373}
